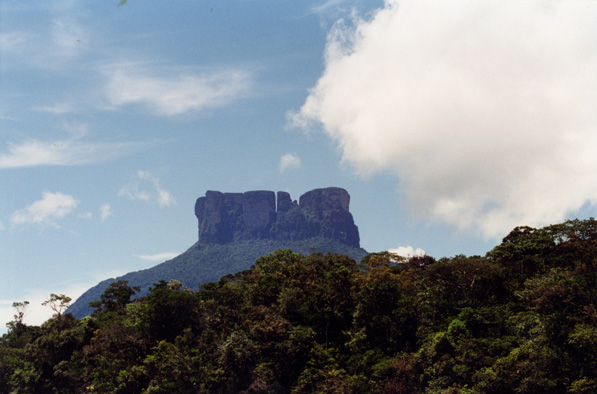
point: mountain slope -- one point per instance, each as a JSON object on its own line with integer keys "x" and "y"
{"x": 208, "y": 263}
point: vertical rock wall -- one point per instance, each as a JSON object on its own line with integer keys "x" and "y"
{"x": 229, "y": 217}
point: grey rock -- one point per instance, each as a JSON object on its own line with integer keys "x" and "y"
{"x": 230, "y": 217}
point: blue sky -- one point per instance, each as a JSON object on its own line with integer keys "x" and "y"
{"x": 449, "y": 124}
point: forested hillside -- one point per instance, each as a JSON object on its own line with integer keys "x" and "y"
{"x": 521, "y": 319}
{"x": 208, "y": 263}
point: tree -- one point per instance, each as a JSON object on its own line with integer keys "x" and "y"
{"x": 58, "y": 303}
{"x": 170, "y": 311}
{"x": 51, "y": 360}
{"x": 17, "y": 326}
{"x": 319, "y": 294}
{"x": 20, "y": 307}
{"x": 382, "y": 311}
{"x": 115, "y": 297}
{"x": 170, "y": 370}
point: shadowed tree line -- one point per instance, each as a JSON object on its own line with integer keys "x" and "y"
{"x": 521, "y": 319}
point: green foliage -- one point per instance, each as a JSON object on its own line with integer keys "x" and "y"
{"x": 171, "y": 310}
{"x": 520, "y": 320}
{"x": 115, "y": 297}
{"x": 58, "y": 303}
{"x": 205, "y": 264}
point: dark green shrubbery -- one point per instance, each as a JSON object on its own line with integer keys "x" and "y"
{"x": 208, "y": 263}
{"x": 520, "y": 320}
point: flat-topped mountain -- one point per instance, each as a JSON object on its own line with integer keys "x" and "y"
{"x": 237, "y": 228}
{"x": 231, "y": 217}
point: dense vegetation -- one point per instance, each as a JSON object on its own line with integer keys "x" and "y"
{"x": 522, "y": 319}
{"x": 208, "y": 263}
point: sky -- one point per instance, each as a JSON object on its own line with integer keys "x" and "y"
{"x": 449, "y": 123}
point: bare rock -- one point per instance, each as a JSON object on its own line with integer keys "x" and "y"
{"x": 229, "y": 217}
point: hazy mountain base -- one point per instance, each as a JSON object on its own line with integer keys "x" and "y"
{"x": 208, "y": 263}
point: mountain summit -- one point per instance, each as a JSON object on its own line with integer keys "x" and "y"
{"x": 231, "y": 217}
{"x": 235, "y": 229}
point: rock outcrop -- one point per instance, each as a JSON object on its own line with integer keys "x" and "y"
{"x": 229, "y": 217}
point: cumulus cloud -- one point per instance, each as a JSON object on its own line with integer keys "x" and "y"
{"x": 158, "y": 257}
{"x": 46, "y": 211}
{"x": 105, "y": 211}
{"x": 484, "y": 109}
{"x": 407, "y": 251}
{"x": 288, "y": 161}
{"x": 66, "y": 152}
{"x": 173, "y": 95}
{"x": 155, "y": 194}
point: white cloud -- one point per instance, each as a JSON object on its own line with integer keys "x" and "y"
{"x": 36, "y": 313}
{"x": 13, "y": 41}
{"x": 326, "y": 6}
{"x": 66, "y": 152}
{"x": 49, "y": 43}
{"x": 69, "y": 38}
{"x": 407, "y": 251}
{"x": 132, "y": 83}
{"x": 158, "y": 257}
{"x": 86, "y": 215}
{"x": 56, "y": 108}
{"x": 137, "y": 190}
{"x": 288, "y": 161}
{"x": 105, "y": 211}
{"x": 484, "y": 109}
{"x": 46, "y": 211}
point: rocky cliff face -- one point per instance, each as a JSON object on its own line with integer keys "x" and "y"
{"x": 229, "y": 217}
